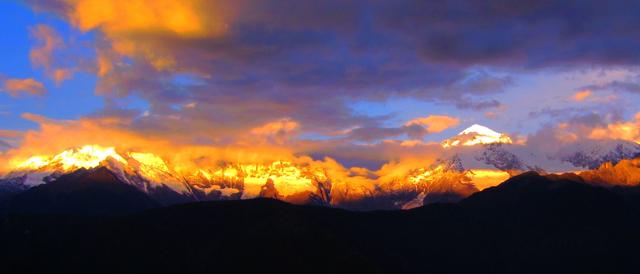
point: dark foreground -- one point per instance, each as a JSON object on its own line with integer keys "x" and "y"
{"x": 530, "y": 224}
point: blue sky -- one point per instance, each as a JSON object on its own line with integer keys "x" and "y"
{"x": 69, "y": 100}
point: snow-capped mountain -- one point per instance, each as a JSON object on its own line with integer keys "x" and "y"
{"x": 473, "y": 160}
{"x": 446, "y": 180}
{"x": 476, "y": 135}
{"x": 592, "y": 154}
{"x": 443, "y": 180}
{"x": 482, "y": 148}
{"x": 147, "y": 172}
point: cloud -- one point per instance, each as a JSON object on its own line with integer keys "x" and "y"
{"x": 49, "y": 41}
{"x": 9, "y": 137}
{"x": 581, "y": 95}
{"x": 250, "y": 63}
{"x": 620, "y": 130}
{"x": 372, "y": 156}
{"x": 180, "y": 17}
{"x": 524, "y": 34}
{"x": 375, "y": 133}
{"x": 40, "y": 119}
{"x": 18, "y": 86}
{"x": 415, "y": 129}
{"x": 60, "y": 75}
{"x": 586, "y": 127}
{"x": 308, "y": 62}
{"x": 278, "y": 131}
{"x": 4, "y": 133}
{"x": 4, "y": 145}
{"x": 43, "y": 54}
{"x": 434, "y": 123}
{"x": 620, "y": 86}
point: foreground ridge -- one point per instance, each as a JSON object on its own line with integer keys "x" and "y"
{"x": 529, "y": 224}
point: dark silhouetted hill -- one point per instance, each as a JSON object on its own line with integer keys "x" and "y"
{"x": 96, "y": 191}
{"x": 529, "y": 224}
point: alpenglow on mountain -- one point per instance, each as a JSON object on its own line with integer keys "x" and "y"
{"x": 475, "y": 159}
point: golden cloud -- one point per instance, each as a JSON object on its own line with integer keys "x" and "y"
{"x": 53, "y": 137}
{"x": 581, "y": 95}
{"x": 619, "y": 130}
{"x": 629, "y": 131}
{"x": 278, "y": 131}
{"x": 120, "y": 16}
{"x": 127, "y": 25}
{"x": 434, "y": 123}
{"x": 276, "y": 127}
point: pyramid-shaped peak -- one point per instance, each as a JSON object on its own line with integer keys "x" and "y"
{"x": 476, "y": 135}
{"x": 480, "y": 130}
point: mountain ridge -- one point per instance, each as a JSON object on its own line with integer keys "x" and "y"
{"x": 482, "y": 165}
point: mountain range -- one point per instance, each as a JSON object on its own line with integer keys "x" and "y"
{"x": 130, "y": 213}
{"x": 475, "y": 159}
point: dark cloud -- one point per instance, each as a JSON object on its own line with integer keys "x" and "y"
{"x": 590, "y": 116}
{"x": 252, "y": 62}
{"x": 519, "y": 33}
{"x": 369, "y": 134}
{"x": 619, "y": 86}
{"x": 414, "y": 129}
{"x": 4, "y": 145}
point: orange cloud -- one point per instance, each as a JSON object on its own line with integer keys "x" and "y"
{"x": 49, "y": 41}
{"x": 118, "y": 16}
{"x": 623, "y": 130}
{"x": 127, "y": 25}
{"x": 491, "y": 114}
{"x": 629, "y": 131}
{"x": 434, "y": 123}
{"x": 104, "y": 64}
{"x": 43, "y": 54}
{"x": 581, "y": 95}
{"x": 280, "y": 126}
{"x": 53, "y": 137}
{"x": 60, "y": 75}
{"x": 16, "y": 87}
{"x": 278, "y": 131}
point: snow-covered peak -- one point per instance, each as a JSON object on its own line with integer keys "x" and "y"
{"x": 476, "y": 134}
{"x": 142, "y": 170}
{"x": 480, "y": 130}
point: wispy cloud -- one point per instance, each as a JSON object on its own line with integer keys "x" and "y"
{"x": 19, "y": 86}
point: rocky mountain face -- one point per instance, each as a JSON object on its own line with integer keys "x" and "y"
{"x": 624, "y": 173}
{"x": 499, "y": 157}
{"x": 444, "y": 181}
{"x": 594, "y": 156}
